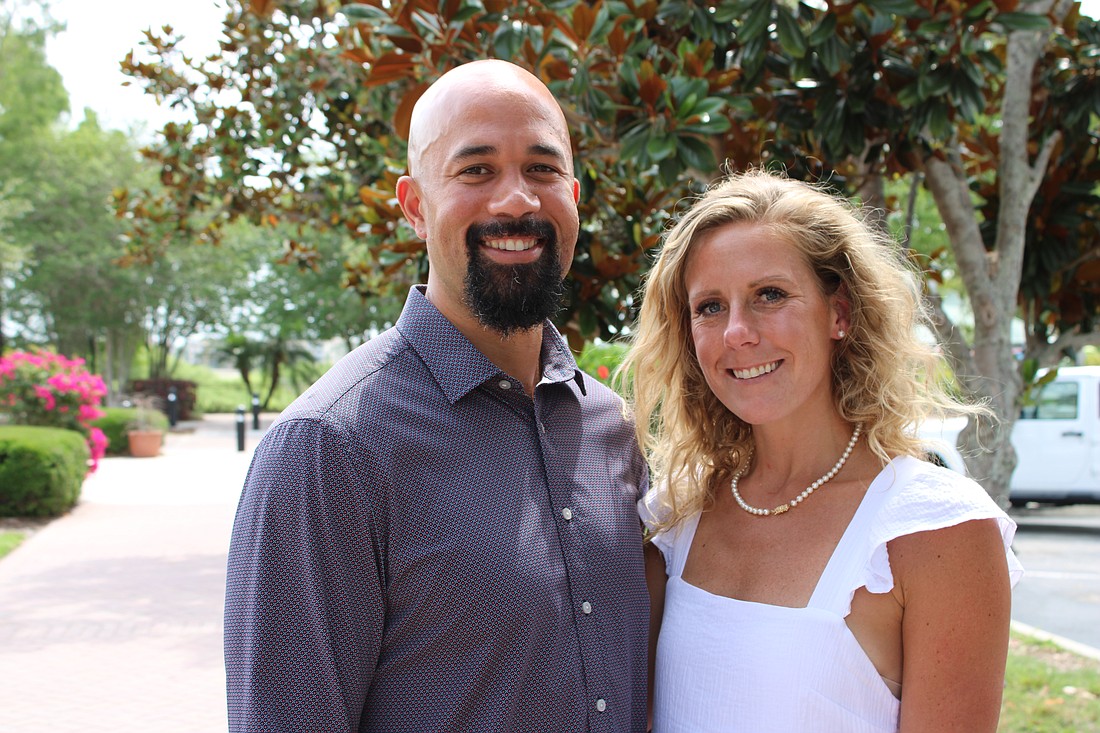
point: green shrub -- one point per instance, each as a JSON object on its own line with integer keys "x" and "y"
{"x": 118, "y": 421}
{"x": 41, "y": 470}
{"x": 114, "y": 424}
{"x": 602, "y": 359}
{"x": 185, "y": 394}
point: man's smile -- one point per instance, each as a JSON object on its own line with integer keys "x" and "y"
{"x": 511, "y": 245}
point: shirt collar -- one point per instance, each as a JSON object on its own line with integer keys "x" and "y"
{"x": 456, "y": 364}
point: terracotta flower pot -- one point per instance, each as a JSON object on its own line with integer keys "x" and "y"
{"x": 145, "y": 443}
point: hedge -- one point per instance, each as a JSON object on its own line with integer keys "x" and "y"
{"x": 41, "y": 470}
{"x": 185, "y": 393}
{"x": 117, "y": 421}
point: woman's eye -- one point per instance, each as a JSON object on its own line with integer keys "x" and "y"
{"x": 707, "y": 308}
{"x": 772, "y": 295}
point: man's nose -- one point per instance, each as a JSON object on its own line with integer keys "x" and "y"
{"x": 514, "y": 197}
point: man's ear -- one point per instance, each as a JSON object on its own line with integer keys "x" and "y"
{"x": 842, "y": 312}
{"x": 408, "y": 196}
{"x": 576, "y": 191}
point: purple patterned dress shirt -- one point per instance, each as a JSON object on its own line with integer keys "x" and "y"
{"x": 420, "y": 546}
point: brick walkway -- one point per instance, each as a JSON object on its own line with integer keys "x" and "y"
{"x": 110, "y": 617}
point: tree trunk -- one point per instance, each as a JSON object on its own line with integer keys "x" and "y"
{"x": 987, "y": 372}
{"x": 992, "y": 278}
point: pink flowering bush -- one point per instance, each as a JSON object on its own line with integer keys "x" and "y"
{"x": 43, "y": 388}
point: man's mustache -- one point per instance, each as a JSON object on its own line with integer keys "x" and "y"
{"x": 510, "y": 228}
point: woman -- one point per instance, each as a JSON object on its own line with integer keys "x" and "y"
{"x": 817, "y": 575}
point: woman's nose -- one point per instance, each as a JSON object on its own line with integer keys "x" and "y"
{"x": 740, "y": 329}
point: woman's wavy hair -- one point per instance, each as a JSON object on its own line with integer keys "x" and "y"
{"x": 884, "y": 375}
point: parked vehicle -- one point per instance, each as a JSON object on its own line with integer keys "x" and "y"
{"x": 1056, "y": 437}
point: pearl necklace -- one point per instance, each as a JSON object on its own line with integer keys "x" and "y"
{"x": 798, "y": 499}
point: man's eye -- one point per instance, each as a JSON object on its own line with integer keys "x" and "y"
{"x": 475, "y": 170}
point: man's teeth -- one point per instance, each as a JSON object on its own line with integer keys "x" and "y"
{"x": 511, "y": 245}
{"x": 755, "y": 371}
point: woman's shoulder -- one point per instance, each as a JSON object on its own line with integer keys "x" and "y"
{"x": 921, "y": 497}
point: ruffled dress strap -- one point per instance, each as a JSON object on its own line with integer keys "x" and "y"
{"x": 908, "y": 496}
{"x": 675, "y": 542}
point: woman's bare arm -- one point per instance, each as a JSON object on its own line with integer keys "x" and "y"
{"x": 656, "y": 578}
{"x": 954, "y": 586}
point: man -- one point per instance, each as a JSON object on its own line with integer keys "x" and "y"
{"x": 440, "y": 535}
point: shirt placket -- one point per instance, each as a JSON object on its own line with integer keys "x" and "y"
{"x": 573, "y": 524}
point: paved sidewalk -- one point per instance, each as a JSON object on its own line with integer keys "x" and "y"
{"x": 110, "y": 617}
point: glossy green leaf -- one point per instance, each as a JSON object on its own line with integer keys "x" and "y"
{"x": 789, "y": 33}
{"x": 1023, "y": 21}
{"x": 882, "y": 23}
{"x": 824, "y": 31}
{"x": 978, "y": 10}
{"x": 632, "y": 146}
{"x": 933, "y": 28}
{"x": 904, "y": 8}
{"x": 939, "y": 123}
{"x": 833, "y": 54}
{"x": 362, "y": 12}
{"x": 696, "y": 154}
{"x": 670, "y": 169}
{"x": 709, "y": 106}
{"x": 755, "y": 24}
{"x": 716, "y": 124}
{"x": 660, "y": 146}
{"x": 464, "y": 14}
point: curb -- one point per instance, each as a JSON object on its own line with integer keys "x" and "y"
{"x": 1069, "y": 645}
{"x": 1054, "y": 526}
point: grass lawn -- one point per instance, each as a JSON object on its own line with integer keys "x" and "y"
{"x": 9, "y": 540}
{"x": 1049, "y": 690}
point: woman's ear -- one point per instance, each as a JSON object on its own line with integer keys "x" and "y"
{"x": 842, "y": 312}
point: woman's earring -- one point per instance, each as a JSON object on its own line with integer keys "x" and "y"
{"x": 841, "y": 333}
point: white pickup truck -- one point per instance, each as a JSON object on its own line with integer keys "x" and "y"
{"x": 1057, "y": 441}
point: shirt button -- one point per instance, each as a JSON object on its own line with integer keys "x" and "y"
{"x": 504, "y": 384}
{"x": 567, "y": 513}
{"x": 601, "y": 704}
{"x": 586, "y": 607}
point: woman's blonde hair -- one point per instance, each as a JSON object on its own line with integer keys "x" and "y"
{"x": 884, "y": 376}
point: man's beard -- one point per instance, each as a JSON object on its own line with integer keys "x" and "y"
{"x": 509, "y": 298}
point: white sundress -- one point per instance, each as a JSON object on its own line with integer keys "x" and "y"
{"x": 729, "y": 665}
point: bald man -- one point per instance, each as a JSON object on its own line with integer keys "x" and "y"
{"x": 441, "y": 534}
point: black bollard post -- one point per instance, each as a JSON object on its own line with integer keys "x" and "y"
{"x": 255, "y": 411}
{"x": 173, "y": 407}
{"x": 240, "y": 427}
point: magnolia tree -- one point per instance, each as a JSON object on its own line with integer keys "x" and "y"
{"x": 301, "y": 121}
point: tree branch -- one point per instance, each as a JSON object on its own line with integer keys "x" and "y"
{"x": 949, "y": 336}
{"x": 947, "y": 182}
